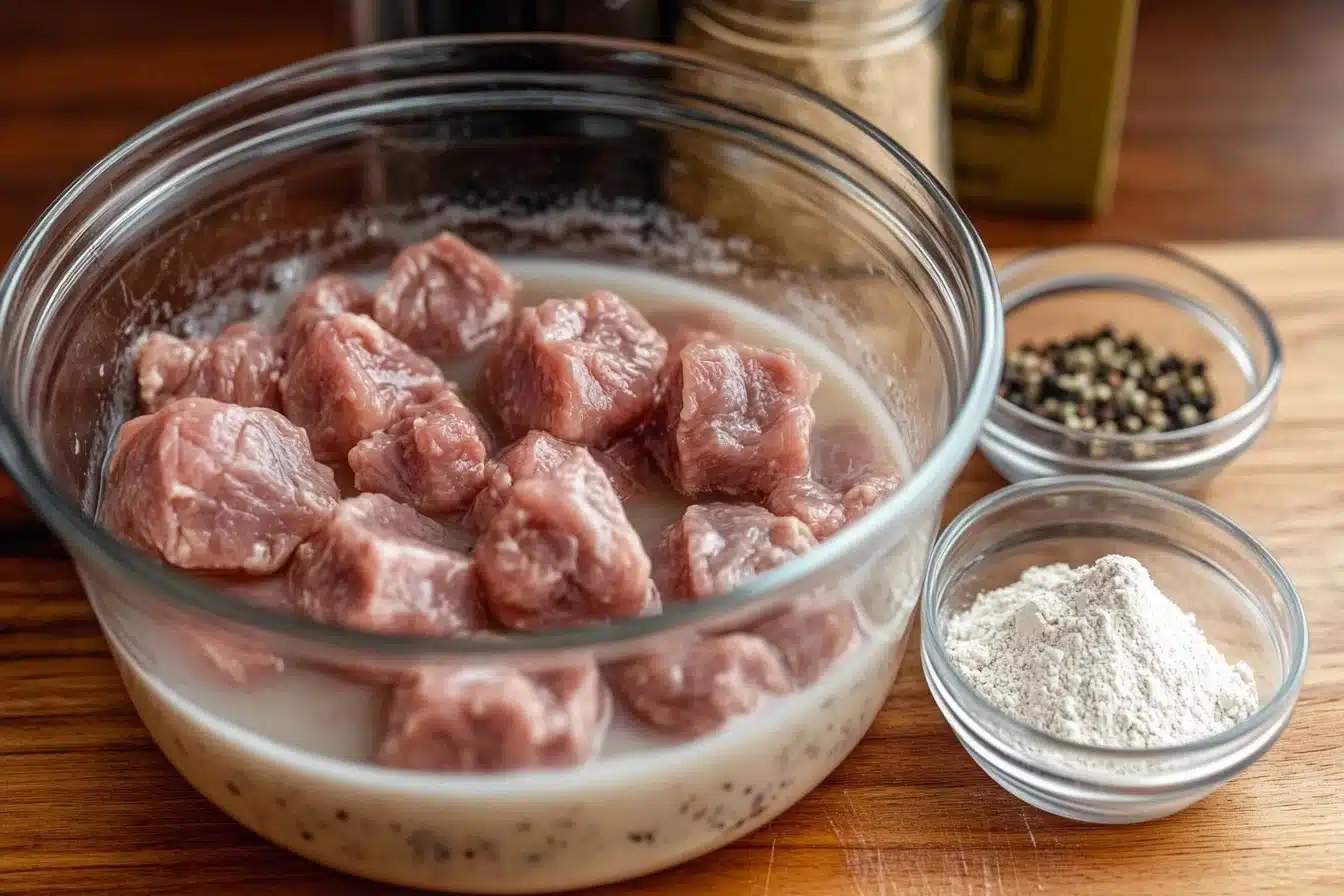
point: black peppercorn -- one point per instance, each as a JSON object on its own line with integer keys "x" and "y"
{"x": 1096, "y": 382}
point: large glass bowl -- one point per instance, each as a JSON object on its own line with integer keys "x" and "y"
{"x": 540, "y": 147}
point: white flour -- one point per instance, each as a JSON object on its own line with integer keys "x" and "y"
{"x": 1098, "y": 655}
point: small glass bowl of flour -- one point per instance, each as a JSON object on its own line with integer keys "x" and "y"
{"x": 1106, "y": 650}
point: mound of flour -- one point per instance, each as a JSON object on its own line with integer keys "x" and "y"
{"x": 1099, "y": 656}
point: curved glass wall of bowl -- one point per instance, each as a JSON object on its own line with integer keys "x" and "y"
{"x": 1169, "y": 300}
{"x": 198, "y": 220}
{"x": 542, "y": 147}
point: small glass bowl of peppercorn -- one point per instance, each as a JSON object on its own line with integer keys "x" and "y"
{"x": 1128, "y": 360}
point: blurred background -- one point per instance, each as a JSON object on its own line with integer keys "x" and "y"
{"x": 1173, "y": 120}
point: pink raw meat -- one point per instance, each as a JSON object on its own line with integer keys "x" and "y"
{"x": 490, "y": 720}
{"x": 630, "y": 458}
{"x": 584, "y": 370}
{"x": 714, "y": 548}
{"x": 734, "y": 419}
{"x": 240, "y": 660}
{"x": 842, "y": 453}
{"x": 323, "y": 299}
{"x": 208, "y": 485}
{"x": 561, "y": 552}
{"x": 536, "y": 454}
{"x": 809, "y": 638}
{"x": 432, "y": 458}
{"x": 444, "y": 297}
{"x": 381, "y": 567}
{"x": 696, "y": 689}
{"x": 241, "y": 366}
{"x": 825, "y": 510}
{"x": 351, "y": 379}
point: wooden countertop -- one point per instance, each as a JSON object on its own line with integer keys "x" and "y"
{"x": 1236, "y": 125}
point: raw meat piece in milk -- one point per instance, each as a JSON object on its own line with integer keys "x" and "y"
{"x": 240, "y": 366}
{"x": 584, "y": 370}
{"x": 323, "y": 299}
{"x": 717, "y": 547}
{"x": 714, "y": 548}
{"x": 844, "y": 453}
{"x": 477, "y": 720}
{"x": 825, "y": 510}
{"x": 810, "y": 637}
{"x": 697, "y": 688}
{"x": 734, "y": 419}
{"x": 849, "y": 477}
{"x": 537, "y": 454}
{"x": 443, "y": 297}
{"x": 349, "y": 379}
{"x": 561, "y": 552}
{"x": 214, "y": 486}
{"x": 241, "y": 661}
{"x": 432, "y": 458}
{"x": 379, "y": 566}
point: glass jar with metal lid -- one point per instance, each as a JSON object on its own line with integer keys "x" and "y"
{"x": 881, "y": 59}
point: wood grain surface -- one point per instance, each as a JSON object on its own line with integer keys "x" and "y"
{"x": 1236, "y": 128}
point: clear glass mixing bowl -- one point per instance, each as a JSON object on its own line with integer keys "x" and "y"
{"x": 541, "y": 146}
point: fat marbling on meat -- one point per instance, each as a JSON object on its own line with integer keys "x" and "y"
{"x": 560, "y": 552}
{"x": 379, "y": 566}
{"x": 349, "y": 379}
{"x": 696, "y": 688}
{"x": 537, "y": 454}
{"x": 242, "y": 365}
{"x": 733, "y": 419}
{"x": 433, "y": 457}
{"x": 585, "y": 370}
{"x": 490, "y": 720}
{"x": 444, "y": 297}
{"x": 323, "y": 299}
{"x": 716, "y": 547}
{"x": 214, "y": 486}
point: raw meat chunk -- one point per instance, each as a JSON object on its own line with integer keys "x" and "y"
{"x": 734, "y": 419}
{"x": 241, "y": 661}
{"x": 323, "y": 299}
{"x": 536, "y": 454}
{"x": 825, "y": 510}
{"x": 583, "y": 369}
{"x": 842, "y": 453}
{"x": 817, "y": 506}
{"x": 489, "y": 720}
{"x": 381, "y": 567}
{"x": 809, "y": 638}
{"x": 716, "y": 547}
{"x": 209, "y": 485}
{"x": 241, "y": 366}
{"x": 444, "y": 297}
{"x": 351, "y": 379}
{"x": 865, "y": 492}
{"x": 433, "y": 458}
{"x": 850, "y": 475}
{"x": 696, "y": 689}
{"x": 562, "y": 552}
{"x": 635, "y": 470}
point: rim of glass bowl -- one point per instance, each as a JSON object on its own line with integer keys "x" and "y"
{"x": 980, "y": 709}
{"x": 884, "y": 524}
{"x": 1254, "y": 406}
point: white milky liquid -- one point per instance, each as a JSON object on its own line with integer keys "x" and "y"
{"x": 289, "y": 729}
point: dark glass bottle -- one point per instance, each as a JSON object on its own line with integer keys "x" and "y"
{"x": 574, "y": 158}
